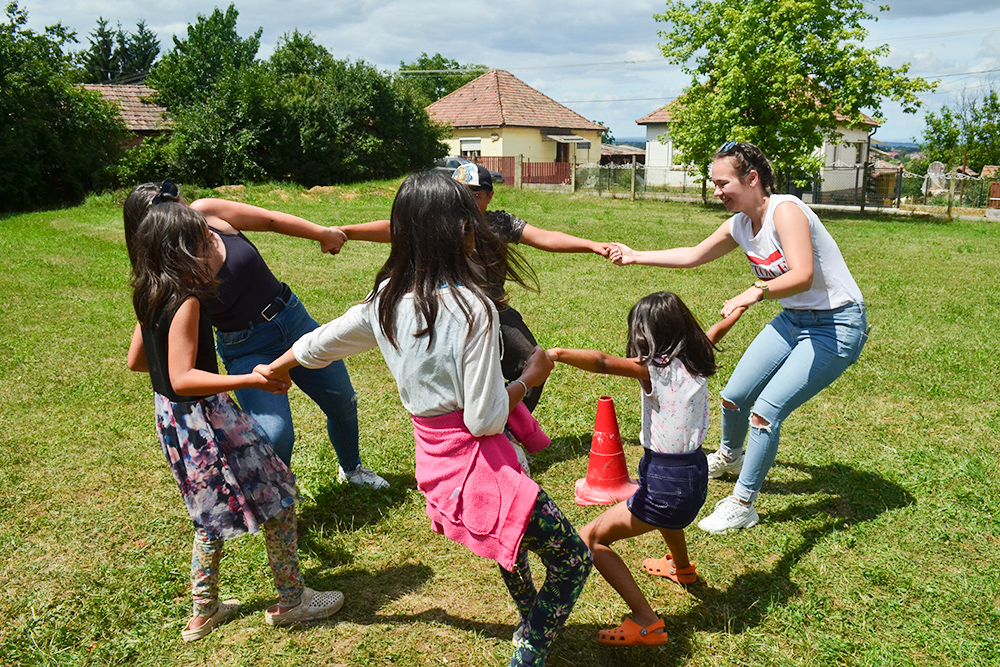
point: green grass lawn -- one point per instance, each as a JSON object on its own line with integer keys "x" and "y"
{"x": 878, "y": 542}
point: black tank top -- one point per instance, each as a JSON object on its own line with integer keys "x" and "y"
{"x": 155, "y": 342}
{"x": 246, "y": 285}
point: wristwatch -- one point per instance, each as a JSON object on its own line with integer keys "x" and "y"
{"x": 762, "y": 286}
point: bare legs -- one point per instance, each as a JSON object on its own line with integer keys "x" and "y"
{"x": 618, "y": 523}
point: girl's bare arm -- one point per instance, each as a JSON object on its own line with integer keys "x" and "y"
{"x": 186, "y": 380}
{"x": 596, "y": 361}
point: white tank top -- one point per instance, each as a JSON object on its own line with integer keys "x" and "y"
{"x": 833, "y": 285}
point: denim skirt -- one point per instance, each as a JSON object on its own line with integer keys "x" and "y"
{"x": 672, "y": 489}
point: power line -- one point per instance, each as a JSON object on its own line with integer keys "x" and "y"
{"x": 953, "y": 33}
{"x": 622, "y": 99}
{"x": 616, "y": 63}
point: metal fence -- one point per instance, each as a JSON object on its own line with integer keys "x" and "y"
{"x": 847, "y": 186}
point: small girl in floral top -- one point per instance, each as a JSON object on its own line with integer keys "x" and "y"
{"x": 672, "y": 358}
{"x": 231, "y": 480}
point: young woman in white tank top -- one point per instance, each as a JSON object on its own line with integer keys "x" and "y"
{"x": 817, "y": 335}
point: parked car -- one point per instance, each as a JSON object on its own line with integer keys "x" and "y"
{"x": 448, "y": 165}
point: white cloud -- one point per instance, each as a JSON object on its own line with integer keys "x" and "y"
{"x": 544, "y": 44}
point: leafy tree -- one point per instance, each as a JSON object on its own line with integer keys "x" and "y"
{"x": 972, "y": 124}
{"x": 212, "y": 51}
{"x": 433, "y": 77}
{"x": 343, "y": 121}
{"x": 116, "y": 55}
{"x": 224, "y": 138}
{"x": 57, "y": 140}
{"x": 773, "y": 72}
{"x": 136, "y": 52}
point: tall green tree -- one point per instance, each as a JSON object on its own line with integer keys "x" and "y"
{"x": 343, "y": 121}
{"x": 968, "y": 130}
{"x": 774, "y": 72}
{"x": 98, "y": 61}
{"x": 117, "y": 55}
{"x": 136, "y": 52}
{"x": 211, "y": 52}
{"x": 433, "y": 77}
{"x": 57, "y": 140}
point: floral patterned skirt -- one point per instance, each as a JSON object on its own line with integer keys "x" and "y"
{"x": 230, "y": 478}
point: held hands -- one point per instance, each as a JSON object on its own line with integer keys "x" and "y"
{"x": 332, "y": 240}
{"x": 621, "y": 254}
{"x": 537, "y": 368}
{"x": 273, "y": 378}
{"x": 602, "y": 249}
{"x": 743, "y": 300}
{"x": 275, "y": 386}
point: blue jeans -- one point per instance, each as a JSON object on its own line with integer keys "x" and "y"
{"x": 330, "y": 387}
{"x": 797, "y": 354}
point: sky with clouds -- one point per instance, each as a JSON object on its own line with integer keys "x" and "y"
{"x": 599, "y": 58}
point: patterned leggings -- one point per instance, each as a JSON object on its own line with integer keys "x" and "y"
{"x": 567, "y": 563}
{"x": 281, "y": 540}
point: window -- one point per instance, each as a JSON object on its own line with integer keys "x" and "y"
{"x": 471, "y": 147}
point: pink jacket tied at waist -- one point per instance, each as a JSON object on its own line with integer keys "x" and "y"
{"x": 476, "y": 492}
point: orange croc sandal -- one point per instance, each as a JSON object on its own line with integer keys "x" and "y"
{"x": 630, "y": 633}
{"x": 664, "y": 567}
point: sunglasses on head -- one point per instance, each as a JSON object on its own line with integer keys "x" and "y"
{"x": 728, "y": 146}
{"x": 168, "y": 192}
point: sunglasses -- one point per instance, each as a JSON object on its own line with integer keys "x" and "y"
{"x": 728, "y": 146}
{"x": 168, "y": 192}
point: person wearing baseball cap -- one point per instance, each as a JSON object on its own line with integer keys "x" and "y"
{"x": 516, "y": 339}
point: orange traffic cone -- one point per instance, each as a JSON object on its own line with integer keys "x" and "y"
{"x": 607, "y": 479}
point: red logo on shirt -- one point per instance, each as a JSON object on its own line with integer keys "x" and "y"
{"x": 768, "y": 267}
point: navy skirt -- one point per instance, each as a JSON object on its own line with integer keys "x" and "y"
{"x": 672, "y": 489}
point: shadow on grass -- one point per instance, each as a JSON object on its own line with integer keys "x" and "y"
{"x": 438, "y": 616}
{"x": 380, "y": 589}
{"x": 562, "y": 449}
{"x": 346, "y": 508}
{"x": 849, "y": 497}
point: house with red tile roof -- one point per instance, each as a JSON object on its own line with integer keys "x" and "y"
{"x": 498, "y": 115}
{"x": 142, "y": 117}
{"x": 664, "y": 165}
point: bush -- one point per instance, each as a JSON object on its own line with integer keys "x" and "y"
{"x": 57, "y": 140}
{"x": 223, "y": 139}
{"x": 146, "y": 162}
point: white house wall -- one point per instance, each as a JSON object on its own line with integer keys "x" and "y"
{"x": 661, "y": 169}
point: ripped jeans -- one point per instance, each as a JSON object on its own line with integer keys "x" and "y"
{"x": 797, "y": 354}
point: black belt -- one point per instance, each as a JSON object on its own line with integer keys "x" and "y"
{"x": 272, "y": 309}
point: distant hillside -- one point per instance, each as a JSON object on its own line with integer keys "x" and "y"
{"x": 901, "y": 146}
{"x": 638, "y": 142}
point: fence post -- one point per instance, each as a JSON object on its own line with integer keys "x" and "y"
{"x": 633, "y": 178}
{"x": 572, "y": 176}
{"x": 899, "y": 186}
{"x": 951, "y": 192}
{"x": 518, "y": 168}
{"x": 864, "y": 186}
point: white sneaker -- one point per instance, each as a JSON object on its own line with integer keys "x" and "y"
{"x": 362, "y": 476}
{"x": 730, "y": 514}
{"x": 315, "y": 606}
{"x": 518, "y": 638}
{"x": 719, "y": 465}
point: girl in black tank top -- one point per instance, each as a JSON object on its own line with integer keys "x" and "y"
{"x": 231, "y": 480}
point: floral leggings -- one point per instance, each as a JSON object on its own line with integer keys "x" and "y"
{"x": 567, "y": 563}
{"x": 281, "y": 540}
